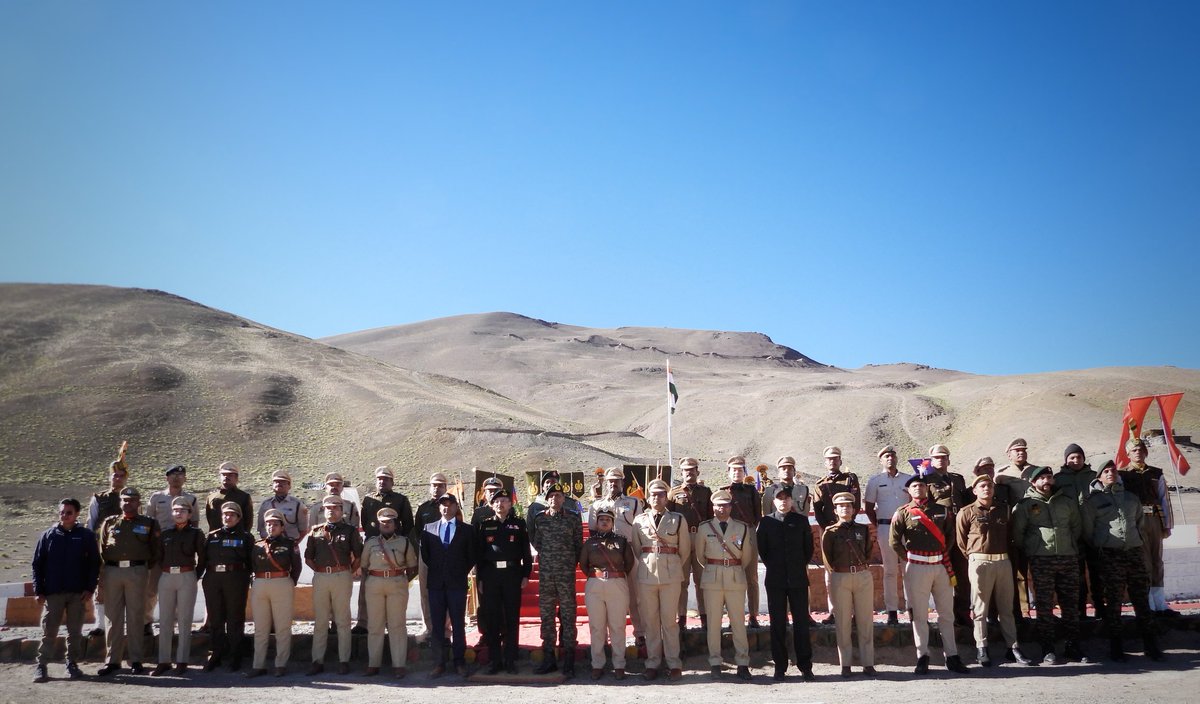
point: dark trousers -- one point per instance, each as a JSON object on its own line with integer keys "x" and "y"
{"x": 1055, "y": 577}
{"x": 452, "y": 604}
{"x": 502, "y": 606}
{"x": 781, "y": 600}
{"x": 225, "y": 600}
{"x": 1089, "y": 579}
{"x": 1125, "y": 570}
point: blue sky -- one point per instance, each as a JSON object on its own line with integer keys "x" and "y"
{"x": 999, "y": 188}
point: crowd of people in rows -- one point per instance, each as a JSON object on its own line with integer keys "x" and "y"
{"x": 993, "y": 547}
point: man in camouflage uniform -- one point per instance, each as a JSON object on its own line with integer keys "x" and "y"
{"x": 747, "y": 508}
{"x": 625, "y": 509}
{"x": 1075, "y": 479}
{"x": 558, "y": 539}
{"x": 835, "y": 481}
{"x": 693, "y": 501}
{"x": 1047, "y": 528}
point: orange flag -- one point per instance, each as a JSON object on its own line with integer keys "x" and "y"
{"x": 1167, "y": 403}
{"x": 1131, "y": 426}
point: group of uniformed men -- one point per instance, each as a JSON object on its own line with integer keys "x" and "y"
{"x": 975, "y": 550}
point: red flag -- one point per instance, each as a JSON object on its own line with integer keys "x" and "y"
{"x": 1167, "y": 403}
{"x": 1131, "y": 426}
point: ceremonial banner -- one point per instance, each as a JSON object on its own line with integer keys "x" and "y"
{"x": 1131, "y": 426}
{"x": 1167, "y": 403}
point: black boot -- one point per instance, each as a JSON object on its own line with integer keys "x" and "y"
{"x": 984, "y": 658}
{"x": 1116, "y": 650}
{"x": 922, "y": 667}
{"x": 893, "y": 619}
{"x": 548, "y": 665}
{"x": 568, "y": 663}
{"x": 1075, "y": 653}
{"x": 1153, "y": 650}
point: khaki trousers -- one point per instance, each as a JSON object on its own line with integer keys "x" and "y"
{"x": 331, "y": 597}
{"x": 387, "y": 603}
{"x": 124, "y": 601}
{"x": 920, "y": 581}
{"x": 177, "y": 605}
{"x": 659, "y": 604}
{"x": 607, "y": 603}
{"x": 57, "y": 607}
{"x": 732, "y": 601}
{"x": 1152, "y": 548}
{"x": 991, "y": 579}
{"x": 152, "y": 596}
{"x": 893, "y": 568}
{"x": 635, "y": 613}
{"x": 854, "y": 598}
{"x": 273, "y": 602}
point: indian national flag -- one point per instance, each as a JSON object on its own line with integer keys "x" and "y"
{"x": 671, "y": 390}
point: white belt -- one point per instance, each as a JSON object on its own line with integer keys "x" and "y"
{"x": 220, "y": 568}
{"x": 124, "y": 563}
{"x": 925, "y": 559}
{"x": 176, "y": 570}
{"x": 501, "y": 564}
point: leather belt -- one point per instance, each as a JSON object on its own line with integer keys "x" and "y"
{"x": 662, "y": 550}
{"x": 1150, "y": 509}
{"x": 271, "y": 575}
{"x": 230, "y": 567}
{"x": 852, "y": 569}
{"x": 727, "y": 562}
{"x": 385, "y": 573}
{"x": 125, "y": 563}
{"x": 925, "y": 559}
{"x": 884, "y": 521}
{"x": 606, "y": 574}
{"x": 331, "y": 570}
{"x": 988, "y": 556}
{"x": 179, "y": 569}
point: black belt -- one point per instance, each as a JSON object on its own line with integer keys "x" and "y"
{"x": 125, "y": 563}
{"x": 884, "y": 521}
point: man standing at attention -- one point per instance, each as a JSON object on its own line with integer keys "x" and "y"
{"x": 129, "y": 549}
{"x": 66, "y": 565}
{"x": 624, "y": 509}
{"x": 448, "y": 550}
{"x": 1150, "y": 486}
{"x": 661, "y": 544}
{"x": 383, "y": 497}
{"x": 785, "y": 544}
{"x": 884, "y": 494}
{"x": 835, "y": 481}
{"x": 726, "y": 544}
{"x": 747, "y": 508}
{"x": 504, "y": 565}
{"x": 693, "y": 501}
{"x": 558, "y": 540}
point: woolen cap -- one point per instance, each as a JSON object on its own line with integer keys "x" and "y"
{"x": 232, "y": 507}
{"x": 939, "y": 451}
{"x": 832, "y": 451}
{"x": 1034, "y": 472}
{"x": 1072, "y": 449}
{"x": 689, "y": 463}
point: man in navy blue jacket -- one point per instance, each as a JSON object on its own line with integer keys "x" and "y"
{"x": 66, "y": 565}
{"x": 448, "y": 549}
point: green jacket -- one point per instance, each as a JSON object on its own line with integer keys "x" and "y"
{"x": 1046, "y": 526}
{"x": 1077, "y": 485}
{"x": 1112, "y": 517}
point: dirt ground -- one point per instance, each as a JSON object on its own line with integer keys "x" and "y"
{"x": 1139, "y": 681}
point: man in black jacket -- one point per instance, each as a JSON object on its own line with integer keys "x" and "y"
{"x": 66, "y": 566}
{"x": 448, "y": 549}
{"x": 785, "y": 544}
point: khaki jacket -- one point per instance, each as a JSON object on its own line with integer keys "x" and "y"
{"x": 740, "y": 541}
{"x": 671, "y": 533}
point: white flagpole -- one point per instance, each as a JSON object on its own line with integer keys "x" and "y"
{"x": 670, "y": 453}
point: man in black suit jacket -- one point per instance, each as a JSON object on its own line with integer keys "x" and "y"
{"x": 449, "y": 552}
{"x": 785, "y": 544}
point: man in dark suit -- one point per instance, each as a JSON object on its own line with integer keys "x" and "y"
{"x": 448, "y": 550}
{"x": 785, "y": 544}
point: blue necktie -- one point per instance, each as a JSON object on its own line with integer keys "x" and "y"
{"x": 446, "y": 535}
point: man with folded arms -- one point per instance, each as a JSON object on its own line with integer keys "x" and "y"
{"x": 182, "y": 566}
{"x": 275, "y": 560}
{"x": 332, "y": 552}
{"x": 661, "y": 544}
{"x": 981, "y": 529}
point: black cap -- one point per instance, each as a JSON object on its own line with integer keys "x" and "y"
{"x": 552, "y": 474}
{"x": 916, "y": 478}
{"x": 502, "y": 494}
{"x": 447, "y": 499}
{"x": 131, "y": 492}
{"x": 175, "y": 469}
{"x": 1072, "y": 449}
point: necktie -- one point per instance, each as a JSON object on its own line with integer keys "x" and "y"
{"x": 446, "y": 535}
{"x": 657, "y": 519}
{"x": 724, "y": 525}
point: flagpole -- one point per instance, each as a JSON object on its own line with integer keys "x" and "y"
{"x": 1168, "y": 440}
{"x": 670, "y": 453}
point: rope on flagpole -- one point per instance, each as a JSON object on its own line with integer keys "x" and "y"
{"x": 670, "y": 452}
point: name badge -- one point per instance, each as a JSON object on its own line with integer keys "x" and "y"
{"x": 231, "y": 543}
{"x": 141, "y": 530}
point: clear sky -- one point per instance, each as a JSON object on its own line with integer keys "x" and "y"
{"x": 997, "y": 187}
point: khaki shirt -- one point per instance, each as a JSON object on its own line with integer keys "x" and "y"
{"x": 846, "y": 545}
{"x": 739, "y": 539}
{"x": 399, "y": 549}
{"x": 159, "y": 508}
{"x": 654, "y": 567}
{"x": 982, "y": 530}
{"x": 625, "y": 508}
{"x": 295, "y": 516}
{"x": 130, "y": 539}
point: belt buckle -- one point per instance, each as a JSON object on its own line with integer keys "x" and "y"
{"x": 725, "y": 562}
{"x": 853, "y": 569}
{"x": 501, "y": 564}
{"x": 124, "y": 563}
{"x": 174, "y": 570}
{"x": 218, "y": 568}
{"x": 327, "y": 570}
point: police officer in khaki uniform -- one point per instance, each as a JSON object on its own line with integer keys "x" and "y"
{"x": 693, "y": 501}
{"x": 129, "y": 549}
{"x": 606, "y": 559}
{"x": 332, "y": 552}
{"x": 334, "y": 485}
{"x": 383, "y": 497}
{"x": 726, "y": 544}
{"x": 275, "y": 562}
{"x": 182, "y": 554}
{"x": 747, "y": 508}
{"x": 785, "y": 476}
{"x": 625, "y": 509}
{"x": 227, "y": 490}
{"x": 159, "y": 507}
{"x": 662, "y": 544}
{"x": 846, "y": 552}
{"x": 293, "y": 510}
{"x": 390, "y": 559}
